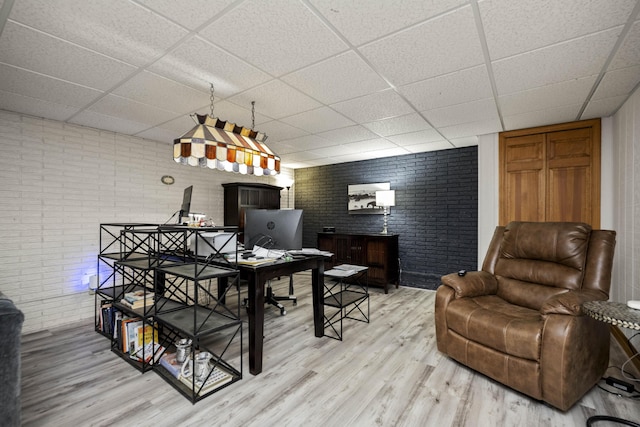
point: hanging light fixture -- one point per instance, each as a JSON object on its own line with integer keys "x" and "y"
{"x": 217, "y": 144}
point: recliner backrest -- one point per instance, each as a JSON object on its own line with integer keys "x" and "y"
{"x": 537, "y": 260}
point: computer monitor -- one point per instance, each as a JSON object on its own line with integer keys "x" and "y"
{"x": 273, "y": 228}
{"x": 186, "y": 202}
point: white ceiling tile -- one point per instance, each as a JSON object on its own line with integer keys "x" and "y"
{"x": 152, "y": 89}
{"x": 301, "y": 156}
{"x": 429, "y": 146}
{"x": 471, "y": 129}
{"x": 119, "y": 28}
{"x": 377, "y": 106}
{"x": 113, "y": 124}
{"x": 566, "y": 61}
{"x": 36, "y": 51}
{"x": 277, "y": 130}
{"x": 414, "y": 138}
{"x": 450, "y": 89}
{"x": 543, "y": 117}
{"x": 387, "y": 152}
{"x": 348, "y": 134}
{"x": 363, "y": 21}
{"x": 369, "y": 145}
{"x": 440, "y": 46}
{"x": 190, "y": 15}
{"x": 602, "y": 107}
{"x": 197, "y": 63}
{"x": 337, "y": 79}
{"x": 116, "y": 106}
{"x": 308, "y": 142}
{"x": 468, "y": 141}
{"x": 35, "y": 107}
{"x": 237, "y": 114}
{"x": 512, "y": 27}
{"x": 318, "y": 120}
{"x": 158, "y": 134}
{"x": 629, "y": 53}
{"x": 571, "y": 92}
{"x": 269, "y": 99}
{"x": 397, "y": 125}
{"x": 331, "y": 151}
{"x": 619, "y": 82}
{"x": 178, "y": 126}
{"x": 38, "y": 86}
{"x": 475, "y": 111}
{"x": 277, "y": 36}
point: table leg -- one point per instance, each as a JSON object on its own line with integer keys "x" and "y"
{"x": 317, "y": 290}
{"x": 255, "y": 310}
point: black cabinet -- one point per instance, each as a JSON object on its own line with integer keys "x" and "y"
{"x": 379, "y": 252}
{"x": 239, "y": 196}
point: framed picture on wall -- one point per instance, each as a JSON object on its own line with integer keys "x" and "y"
{"x": 362, "y": 198}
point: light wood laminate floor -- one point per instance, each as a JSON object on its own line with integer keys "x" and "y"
{"x": 385, "y": 373}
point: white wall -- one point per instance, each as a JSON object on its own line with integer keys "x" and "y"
{"x": 59, "y": 182}
{"x": 626, "y": 200}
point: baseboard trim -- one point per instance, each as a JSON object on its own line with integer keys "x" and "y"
{"x": 626, "y": 346}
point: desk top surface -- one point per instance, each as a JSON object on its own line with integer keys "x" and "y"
{"x": 615, "y": 313}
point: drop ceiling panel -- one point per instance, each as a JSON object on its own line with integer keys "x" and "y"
{"x": 555, "y": 21}
{"x": 343, "y": 77}
{"x": 348, "y": 134}
{"x": 116, "y": 106}
{"x": 39, "y": 52}
{"x": 364, "y": 21}
{"x": 318, "y": 120}
{"x": 541, "y": 117}
{"x": 113, "y": 124}
{"x": 377, "y": 106}
{"x": 152, "y": 89}
{"x": 191, "y": 14}
{"x": 269, "y": 99}
{"x": 397, "y": 125}
{"x": 208, "y": 64}
{"x": 429, "y": 146}
{"x": 450, "y": 89}
{"x": 599, "y": 107}
{"x": 120, "y": 29}
{"x": 481, "y": 110}
{"x": 413, "y": 138}
{"x": 38, "y": 86}
{"x": 35, "y": 107}
{"x": 629, "y": 53}
{"x": 565, "y": 61}
{"x": 277, "y": 36}
{"x": 440, "y": 46}
{"x": 278, "y": 131}
{"x": 482, "y": 127}
{"x": 572, "y": 92}
{"x": 618, "y": 82}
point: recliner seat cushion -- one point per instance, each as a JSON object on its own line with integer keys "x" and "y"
{"x": 491, "y": 321}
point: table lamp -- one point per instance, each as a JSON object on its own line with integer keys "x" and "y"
{"x": 385, "y": 198}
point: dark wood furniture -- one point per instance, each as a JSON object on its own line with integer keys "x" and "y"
{"x": 379, "y": 252}
{"x": 239, "y": 196}
{"x": 257, "y": 276}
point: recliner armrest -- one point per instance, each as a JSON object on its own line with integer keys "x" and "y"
{"x": 473, "y": 284}
{"x": 571, "y": 302}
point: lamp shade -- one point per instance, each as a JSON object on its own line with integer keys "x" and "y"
{"x": 386, "y": 198}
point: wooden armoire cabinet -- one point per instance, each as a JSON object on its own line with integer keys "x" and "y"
{"x": 551, "y": 173}
{"x": 239, "y": 196}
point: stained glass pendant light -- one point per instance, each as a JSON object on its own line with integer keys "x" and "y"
{"x": 217, "y": 144}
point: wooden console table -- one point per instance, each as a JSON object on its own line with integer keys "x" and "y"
{"x": 378, "y": 252}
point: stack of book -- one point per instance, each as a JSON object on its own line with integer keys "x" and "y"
{"x": 138, "y": 299}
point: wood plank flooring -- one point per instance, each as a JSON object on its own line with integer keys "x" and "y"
{"x": 385, "y": 373}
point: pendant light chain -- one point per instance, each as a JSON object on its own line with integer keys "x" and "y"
{"x": 253, "y": 115}
{"x": 211, "y": 97}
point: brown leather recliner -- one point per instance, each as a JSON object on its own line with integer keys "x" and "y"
{"x": 520, "y": 321}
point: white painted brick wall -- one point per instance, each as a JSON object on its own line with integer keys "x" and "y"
{"x": 59, "y": 182}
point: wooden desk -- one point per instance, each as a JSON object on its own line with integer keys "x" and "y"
{"x": 258, "y": 276}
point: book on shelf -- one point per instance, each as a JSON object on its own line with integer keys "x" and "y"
{"x": 137, "y": 304}
{"x": 127, "y": 331}
{"x": 148, "y": 354}
{"x": 140, "y": 294}
{"x": 169, "y": 362}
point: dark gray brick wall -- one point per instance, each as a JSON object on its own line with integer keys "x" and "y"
{"x": 436, "y": 212}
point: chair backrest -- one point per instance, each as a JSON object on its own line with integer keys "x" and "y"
{"x": 534, "y": 261}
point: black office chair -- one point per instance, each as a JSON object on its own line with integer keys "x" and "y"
{"x": 271, "y": 298}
